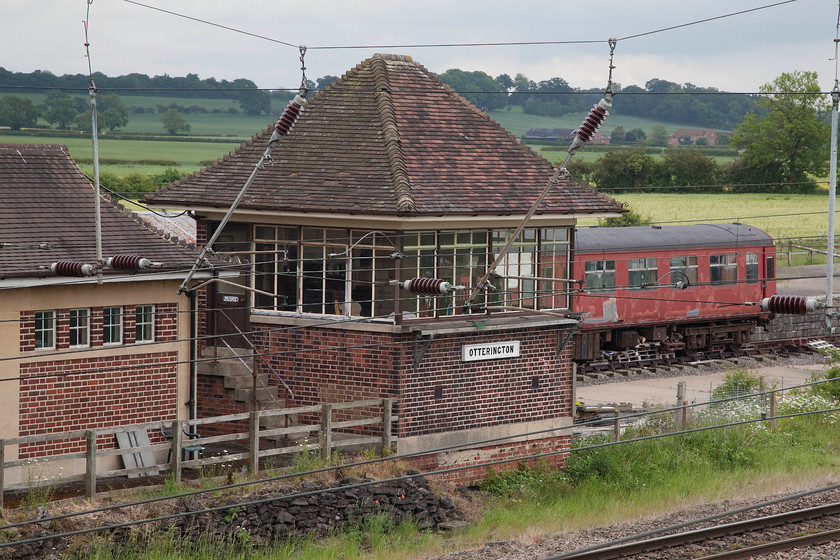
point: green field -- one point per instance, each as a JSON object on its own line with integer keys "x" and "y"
{"x": 185, "y": 154}
{"x": 783, "y": 216}
{"x": 518, "y": 123}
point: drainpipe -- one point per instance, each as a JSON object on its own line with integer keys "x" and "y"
{"x": 191, "y": 403}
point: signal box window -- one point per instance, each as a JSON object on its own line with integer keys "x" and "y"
{"x": 79, "y": 327}
{"x": 723, "y": 269}
{"x": 686, "y": 265}
{"x": 752, "y": 267}
{"x": 112, "y": 325}
{"x": 599, "y": 276}
{"x": 642, "y": 273}
{"x": 44, "y": 330}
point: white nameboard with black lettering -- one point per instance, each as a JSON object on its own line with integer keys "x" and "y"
{"x": 492, "y": 351}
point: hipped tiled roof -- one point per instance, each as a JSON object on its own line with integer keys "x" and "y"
{"x": 47, "y": 214}
{"x": 388, "y": 138}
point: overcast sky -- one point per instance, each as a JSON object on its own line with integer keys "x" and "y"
{"x": 737, "y": 53}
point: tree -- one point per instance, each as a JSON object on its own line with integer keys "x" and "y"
{"x": 325, "y": 82}
{"x": 625, "y": 169}
{"x": 17, "y": 112}
{"x": 112, "y": 111}
{"x": 174, "y": 122}
{"x": 252, "y": 100}
{"x": 618, "y": 134}
{"x": 479, "y": 88}
{"x": 687, "y": 167}
{"x": 659, "y": 136}
{"x": 60, "y": 109}
{"x": 786, "y": 137}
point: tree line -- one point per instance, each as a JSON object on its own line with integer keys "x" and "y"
{"x": 658, "y": 100}
{"x": 784, "y": 147}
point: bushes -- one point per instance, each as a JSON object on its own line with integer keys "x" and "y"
{"x": 137, "y": 182}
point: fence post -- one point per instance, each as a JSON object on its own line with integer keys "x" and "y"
{"x": 684, "y": 414}
{"x": 90, "y": 465}
{"x": 617, "y": 425}
{"x": 325, "y": 437}
{"x": 789, "y": 248}
{"x": 254, "y": 443}
{"x": 387, "y": 415}
{"x": 176, "y": 450}
{"x": 773, "y": 410}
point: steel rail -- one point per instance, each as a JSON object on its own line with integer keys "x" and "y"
{"x": 700, "y": 535}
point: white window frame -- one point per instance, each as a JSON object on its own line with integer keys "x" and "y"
{"x": 79, "y": 328}
{"x": 109, "y": 326}
{"x": 144, "y": 320}
{"x": 45, "y": 330}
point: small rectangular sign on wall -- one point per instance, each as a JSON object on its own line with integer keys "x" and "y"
{"x": 492, "y": 351}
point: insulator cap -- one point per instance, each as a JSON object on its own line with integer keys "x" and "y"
{"x": 791, "y": 305}
{"x": 72, "y": 268}
{"x": 128, "y": 263}
{"x": 287, "y": 120}
{"x": 427, "y": 286}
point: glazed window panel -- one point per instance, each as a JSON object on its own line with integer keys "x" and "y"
{"x": 642, "y": 273}
{"x": 144, "y": 323}
{"x": 752, "y": 267}
{"x": 599, "y": 276}
{"x": 79, "y": 328}
{"x": 518, "y": 268}
{"x": 723, "y": 269}
{"x": 44, "y": 330}
{"x": 687, "y": 265}
{"x": 112, "y": 325}
{"x": 276, "y": 268}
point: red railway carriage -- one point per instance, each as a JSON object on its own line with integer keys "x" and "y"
{"x": 673, "y": 289}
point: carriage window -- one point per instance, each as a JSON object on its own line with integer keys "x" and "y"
{"x": 685, "y": 265}
{"x": 771, "y": 268}
{"x": 642, "y": 273}
{"x": 723, "y": 269}
{"x": 752, "y": 267}
{"x": 600, "y": 276}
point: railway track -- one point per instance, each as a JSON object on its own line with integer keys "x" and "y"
{"x": 738, "y": 540}
{"x": 648, "y": 361}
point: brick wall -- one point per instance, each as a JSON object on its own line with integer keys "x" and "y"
{"x": 444, "y": 394}
{"x": 457, "y": 464}
{"x": 92, "y": 393}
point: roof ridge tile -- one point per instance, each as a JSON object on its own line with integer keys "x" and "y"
{"x": 390, "y": 132}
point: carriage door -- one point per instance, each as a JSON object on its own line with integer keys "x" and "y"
{"x": 230, "y": 300}
{"x": 769, "y": 273}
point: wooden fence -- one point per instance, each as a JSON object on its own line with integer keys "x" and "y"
{"x": 368, "y": 417}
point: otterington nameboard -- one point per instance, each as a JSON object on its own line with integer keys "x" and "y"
{"x": 493, "y": 351}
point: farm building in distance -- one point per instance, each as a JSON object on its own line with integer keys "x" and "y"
{"x": 389, "y": 175}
